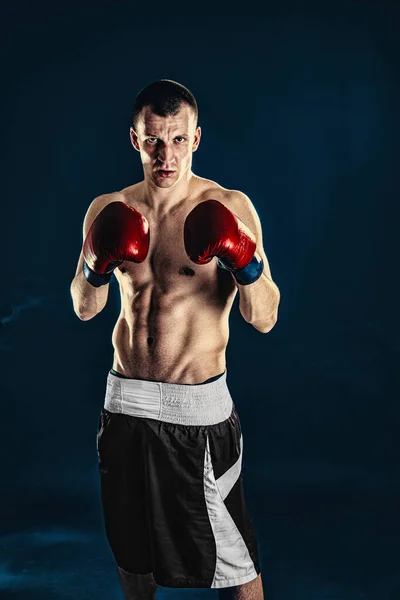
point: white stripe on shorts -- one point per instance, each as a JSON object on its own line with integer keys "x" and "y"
{"x": 233, "y": 559}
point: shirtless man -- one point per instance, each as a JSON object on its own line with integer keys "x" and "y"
{"x": 169, "y": 439}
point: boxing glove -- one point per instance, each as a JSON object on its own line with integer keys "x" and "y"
{"x": 211, "y": 230}
{"x": 118, "y": 233}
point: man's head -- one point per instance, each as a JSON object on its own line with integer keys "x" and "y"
{"x": 165, "y": 131}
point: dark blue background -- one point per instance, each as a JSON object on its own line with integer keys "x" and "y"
{"x": 299, "y": 108}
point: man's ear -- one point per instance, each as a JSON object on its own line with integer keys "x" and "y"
{"x": 197, "y": 137}
{"x": 134, "y": 139}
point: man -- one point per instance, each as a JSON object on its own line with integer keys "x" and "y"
{"x": 169, "y": 438}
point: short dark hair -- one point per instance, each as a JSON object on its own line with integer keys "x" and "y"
{"x": 165, "y": 98}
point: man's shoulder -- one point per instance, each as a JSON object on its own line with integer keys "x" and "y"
{"x": 212, "y": 189}
{"x": 133, "y": 191}
{"x": 228, "y": 197}
{"x": 123, "y": 195}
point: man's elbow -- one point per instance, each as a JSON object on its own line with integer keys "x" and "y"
{"x": 265, "y": 327}
{"x": 84, "y": 315}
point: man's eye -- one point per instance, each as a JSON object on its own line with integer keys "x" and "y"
{"x": 180, "y": 138}
{"x": 151, "y": 140}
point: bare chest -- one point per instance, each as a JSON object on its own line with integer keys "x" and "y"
{"x": 167, "y": 263}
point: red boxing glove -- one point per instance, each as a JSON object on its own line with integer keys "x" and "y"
{"x": 118, "y": 233}
{"x": 211, "y": 230}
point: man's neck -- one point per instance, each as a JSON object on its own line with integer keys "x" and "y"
{"x": 162, "y": 201}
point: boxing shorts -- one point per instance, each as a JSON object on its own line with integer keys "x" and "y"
{"x": 170, "y": 463}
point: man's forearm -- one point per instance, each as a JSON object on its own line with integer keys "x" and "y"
{"x": 88, "y": 300}
{"x": 258, "y": 303}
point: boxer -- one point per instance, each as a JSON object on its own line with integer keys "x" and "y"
{"x": 169, "y": 439}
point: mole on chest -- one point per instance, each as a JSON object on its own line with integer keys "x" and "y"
{"x": 186, "y": 271}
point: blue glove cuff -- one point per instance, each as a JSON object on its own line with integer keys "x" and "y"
{"x": 250, "y": 273}
{"x": 95, "y": 279}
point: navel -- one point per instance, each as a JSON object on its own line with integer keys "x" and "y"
{"x": 149, "y": 341}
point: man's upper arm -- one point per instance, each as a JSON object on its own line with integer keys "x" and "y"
{"x": 94, "y": 209}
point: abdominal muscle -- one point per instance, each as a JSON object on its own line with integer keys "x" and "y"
{"x": 174, "y": 337}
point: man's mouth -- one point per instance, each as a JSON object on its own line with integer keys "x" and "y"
{"x": 165, "y": 173}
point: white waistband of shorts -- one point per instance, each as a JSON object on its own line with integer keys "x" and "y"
{"x": 204, "y": 404}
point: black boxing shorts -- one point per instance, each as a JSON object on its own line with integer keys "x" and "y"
{"x": 170, "y": 461}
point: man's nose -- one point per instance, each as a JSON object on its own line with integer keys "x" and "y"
{"x": 165, "y": 153}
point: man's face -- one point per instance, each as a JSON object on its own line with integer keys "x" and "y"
{"x": 166, "y": 144}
